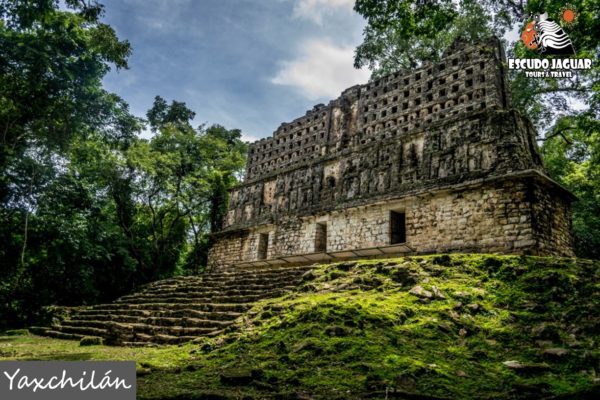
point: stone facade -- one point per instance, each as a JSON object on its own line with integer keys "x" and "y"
{"x": 428, "y": 161}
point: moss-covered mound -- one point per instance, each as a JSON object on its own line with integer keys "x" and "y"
{"x": 461, "y": 326}
{"x": 457, "y": 327}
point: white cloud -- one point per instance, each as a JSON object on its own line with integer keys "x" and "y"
{"x": 314, "y": 10}
{"x": 323, "y": 69}
{"x": 249, "y": 138}
{"x": 163, "y": 16}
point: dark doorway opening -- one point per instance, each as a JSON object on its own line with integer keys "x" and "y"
{"x": 397, "y": 227}
{"x": 263, "y": 245}
{"x": 321, "y": 237}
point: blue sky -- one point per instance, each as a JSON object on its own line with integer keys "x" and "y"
{"x": 247, "y": 64}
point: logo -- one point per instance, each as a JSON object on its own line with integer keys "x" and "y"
{"x": 67, "y": 380}
{"x": 547, "y": 38}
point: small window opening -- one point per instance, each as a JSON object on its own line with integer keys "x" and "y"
{"x": 331, "y": 180}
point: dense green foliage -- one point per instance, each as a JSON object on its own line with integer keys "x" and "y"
{"x": 572, "y": 156}
{"x": 88, "y": 209}
{"x": 490, "y": 327}
{"x": 402, "y": 34}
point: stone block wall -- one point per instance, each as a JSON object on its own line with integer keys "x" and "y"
{"x": 503, "y": 215}
{"x": 496, "y": 217}
{"x": 551, "y": 220}
{"x": 229, "y": 249}
{"x": 486, "y": 143}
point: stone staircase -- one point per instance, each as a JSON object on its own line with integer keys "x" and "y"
{"x": 179, "y": 309}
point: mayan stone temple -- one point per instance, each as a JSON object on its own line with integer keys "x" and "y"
{"x": 429, "y": 160}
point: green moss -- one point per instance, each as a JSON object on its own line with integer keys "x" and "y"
{"x": 90, "y": 341}
{"x": 16, "y": 332}
{"x": 40, "y": 348}
{"x": 354, "y": 330}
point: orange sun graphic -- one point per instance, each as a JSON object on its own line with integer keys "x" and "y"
{"x": 568, "y": 14}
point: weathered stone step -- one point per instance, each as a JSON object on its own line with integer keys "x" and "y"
{"x": 251, "y": 278}
{"x": 39, "y": 330}
{"x": 199, "y": 294}
{"x": 209, "y": 307}
{"x": 142, "y": 339}
{"x": 245, "y": 272}
{"x": 139, "y": 344}
{"x": 235, "y": 273}
{"x": 86, "y": 323}
{"x": 101, "y": 315}
{"x": 170, "y": 339}
{"x": 227, "y": 283}
{"x": 143, "y": 298}
{"x": 229, "y": 291}
{"x": 80, "y": 330}
{"x": 62, "y": 335}
{"x": 104, "y": 321}
{"x": 228, "y": 278}
{"x": 126, "y": 329}
{"x": 203, "y": 294}
{"x": 259, "y": 270}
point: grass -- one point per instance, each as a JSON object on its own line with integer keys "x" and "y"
{"x": 31, "y": 347}
{"x": 355, "y": 330}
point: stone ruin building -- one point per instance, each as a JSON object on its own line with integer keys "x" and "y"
{"x": 423, "y": 161}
